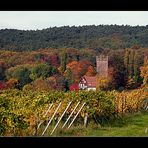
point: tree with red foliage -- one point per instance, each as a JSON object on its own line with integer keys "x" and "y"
{"x": 54, "y": 59}
{"x": 3, "y": 85}
{"x": 74, "y": 87}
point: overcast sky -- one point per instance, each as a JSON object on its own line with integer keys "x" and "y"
{"x": 32, "y": 20}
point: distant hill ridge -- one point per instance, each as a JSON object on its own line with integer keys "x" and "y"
{"x": 91, "y": 36}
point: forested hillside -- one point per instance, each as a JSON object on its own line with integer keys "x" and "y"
{"x": 58, "y": 57}
{"x": 95, "y": 37}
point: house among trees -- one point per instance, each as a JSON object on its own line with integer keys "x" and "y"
{"x": 89, "y": 82}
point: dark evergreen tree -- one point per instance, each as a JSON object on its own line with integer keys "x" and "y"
{"x": 63, "y": 57}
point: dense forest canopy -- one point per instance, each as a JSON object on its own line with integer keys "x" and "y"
{"x": 94, "y": 37}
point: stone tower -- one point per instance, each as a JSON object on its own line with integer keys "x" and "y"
{"x": 145, "y": 57}
{"x": 102, "y": 65}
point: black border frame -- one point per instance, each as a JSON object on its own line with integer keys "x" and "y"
{"x": 76, "y": 5}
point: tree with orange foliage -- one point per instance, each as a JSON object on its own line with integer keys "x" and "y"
{"x": 71, "y": 70}
{"x": 70, "y": 66}
{"x": 12, "y": 83}
{"x": 79, "y": 68}
{"x": 82, "y": 67}
{"x": 144, "y": 71}
{"x": 90, "y": 71}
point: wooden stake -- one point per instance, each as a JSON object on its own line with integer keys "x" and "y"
{"x": 61, "y": 118}
{"x": 51, "y": 118}
{"x": 76, "y": 115}
{"x": 71, "y": 114}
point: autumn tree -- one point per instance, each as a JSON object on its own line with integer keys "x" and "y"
{"x": 2, "y": 70}
{"x": 72, "y": 65}
{"x": 138, "y": 61}
{"x": 69, "y": 77}
{"x": 133, "y": 59}
{"x": 21, "y": 73}
{"x": 102, "y": 83}
{"x": 61, "y": 83}
{"x": 90, "y": 71}
{"x": 116, "y": 62}
{"x": 74, "y": 87}
{"x": 144, "y": 71}
{"x": 55, "y": 61}
{"x": 42, "y": 70}
{"x": 82, "y": 67}
{"x": 88, "y": 54}
{"x": 12, "y": 83}
{"x": 126, "y": 59}
{"x": 41, "y": 84}
{"x": 38, "y": 56}
{"x": 70, "y": 72}
{"x": 63, "y": 60}
{"x": 3, "y": 85}
{"x": 131, "y": 84}
{"x": 72, "y": 54}
{"x": 131, "y": 64}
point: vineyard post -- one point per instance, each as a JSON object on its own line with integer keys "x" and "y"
{"x": 36, "y": 130}
{"x": 71, "y": 114}
{"x": 138, "y": 104}
{"x": 76, "y": 115}
{"x": 125, "y": 103}
{"x": 96, "y": 120}
{"x": 117, "y": 105}
{"x": 122, "y": 105}
{"x": 37, "y": 121}
{"x": 51, "y": 118}
{"x": 86, "y": 118}
{"x": 61, "y": 118}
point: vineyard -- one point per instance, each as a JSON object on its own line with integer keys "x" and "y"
{"x": 22, "y": 111}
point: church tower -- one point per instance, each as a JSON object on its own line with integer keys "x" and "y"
{"x": 102, "y": 65}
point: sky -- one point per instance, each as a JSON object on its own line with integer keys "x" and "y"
{"x": 33, "y": 20}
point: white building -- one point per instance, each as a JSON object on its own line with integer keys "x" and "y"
{"x": 87, "y": 83}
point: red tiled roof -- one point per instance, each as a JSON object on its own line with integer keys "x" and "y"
{"x": 91, "y": 81}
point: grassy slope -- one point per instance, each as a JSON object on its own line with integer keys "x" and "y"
{"x": 132, "y": 126}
